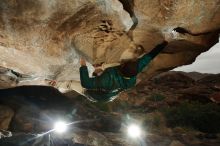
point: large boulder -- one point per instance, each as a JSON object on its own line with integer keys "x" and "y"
{"x": 6, "y": 115}
{"x": 45, "y": 38}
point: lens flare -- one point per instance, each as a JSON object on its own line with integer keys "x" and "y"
{"x": 60, "y": 127}
{"x": 134, "y": 131}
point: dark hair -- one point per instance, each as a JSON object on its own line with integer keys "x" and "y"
{"x": 94, "y": 74}
{"x": 129, "y": 68}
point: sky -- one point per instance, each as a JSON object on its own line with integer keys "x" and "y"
{"x": 207, "y": 62}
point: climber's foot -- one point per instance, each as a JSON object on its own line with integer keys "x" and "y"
{"x": 174, "y": 35}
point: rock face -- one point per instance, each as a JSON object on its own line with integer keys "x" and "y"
{"x": 178, "y": 86}
{"x": 173, "y": 80}
{"x": 45, "y": 38}
{"x": 34, "y": 109}
{"x": 6, "y": 115}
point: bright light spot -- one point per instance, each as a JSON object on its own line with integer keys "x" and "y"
{"x": 134, "y": 131}
{"x": 60, "y": 127}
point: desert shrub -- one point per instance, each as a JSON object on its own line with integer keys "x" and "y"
{"x": 111, "y": 106}
{"x": 157, "y": 97}
{"x": 157, "y": 121}
{"x": 102, "y": 106}
{"x": 153, "y": 120}
{"x": 202, "y": 117}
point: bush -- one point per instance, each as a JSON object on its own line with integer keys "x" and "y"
{"x": 102, "y": 106}
{"x": 202, "y": 117}
{"x": 157, "y": 97}
{"x": 153, "y": 120}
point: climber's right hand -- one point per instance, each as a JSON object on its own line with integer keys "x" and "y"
{"x": 82, "y": 62}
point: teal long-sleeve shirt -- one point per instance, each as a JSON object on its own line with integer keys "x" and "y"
{"x": 111, "y": 79}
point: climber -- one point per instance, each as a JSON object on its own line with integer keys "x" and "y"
{"x": 113, "y": 80}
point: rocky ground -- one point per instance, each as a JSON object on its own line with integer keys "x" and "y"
{"x": 172, "y": 109}
{"x": 45, "y": 38}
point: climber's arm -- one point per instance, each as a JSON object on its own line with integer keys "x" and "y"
{"x": 86, "y": 81}
{"x": 146, "y": 59}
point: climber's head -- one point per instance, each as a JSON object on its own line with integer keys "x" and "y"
{"x": 129, "y": 68}
{"x": 98, "y": 69}
{"x": 97, "y": 72}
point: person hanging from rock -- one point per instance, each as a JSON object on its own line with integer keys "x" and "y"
{"x": 105, "y": 85}
{"x": 113, "y": 80}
